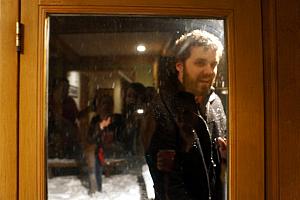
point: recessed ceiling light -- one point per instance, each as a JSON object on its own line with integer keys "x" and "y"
{"x": 141, "y": 48}
{"x": 140, "y": 111}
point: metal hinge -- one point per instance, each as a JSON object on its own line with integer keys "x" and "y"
{"x": 19, "y": 37}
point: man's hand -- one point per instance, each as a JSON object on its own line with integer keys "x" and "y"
{"x": 105, "y": 123}
{"x": 222, "y": 147}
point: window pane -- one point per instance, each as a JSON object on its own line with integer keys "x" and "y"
{"x": 112, "y": 81}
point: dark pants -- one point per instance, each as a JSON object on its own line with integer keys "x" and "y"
{"x": 99, "y": 172}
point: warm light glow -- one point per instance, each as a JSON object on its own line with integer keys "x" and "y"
{"x": 140, "y": 111}
{"x": 141, "y": 48}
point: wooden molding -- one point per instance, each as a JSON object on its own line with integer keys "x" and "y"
{"x": 142, "y": 4}
{"x": 8, "y": 100}
{"x": 246, "y": 117}
{"x": 271, "y": 99}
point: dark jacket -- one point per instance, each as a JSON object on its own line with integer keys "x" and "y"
{"x": 214, "y": 115}
{"x": 94, "y": 131}
{"x": 176, "y": 115}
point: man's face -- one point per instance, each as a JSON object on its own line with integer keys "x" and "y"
{"x": 131, "y": 97}
{"x": 198, "y": 71}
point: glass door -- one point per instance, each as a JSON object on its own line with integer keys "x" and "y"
{"x": 100, "y": 68}
{"x": 108, "y": 71}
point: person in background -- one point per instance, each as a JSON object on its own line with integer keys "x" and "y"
{"x": 63, "y": 138}
{"x": 133, "y": 111}
{"x": 183, "y": 132}
{"x": 99, "y": 135}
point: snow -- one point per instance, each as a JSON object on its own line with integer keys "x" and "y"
{"x": 114, "y": 187}
{"x": 58, "y": 160}
{"x": 148, "y": 182}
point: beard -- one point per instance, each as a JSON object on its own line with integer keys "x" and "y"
{"x": 195, "y": 85}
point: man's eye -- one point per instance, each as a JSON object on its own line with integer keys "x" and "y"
{"x": 200, "y": 63}
{"x": 213, "y": 65}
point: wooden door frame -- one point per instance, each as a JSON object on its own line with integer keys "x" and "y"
{"x": 245, "y": 79}
{"x": 8, "y": 100}
{"x": 271, "y": 99}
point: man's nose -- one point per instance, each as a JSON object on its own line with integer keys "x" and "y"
{"x": 209, "y": 70}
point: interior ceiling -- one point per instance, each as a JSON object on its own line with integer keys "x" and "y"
{"x": 118, "y": 44}
{"x": 98, "y": 36}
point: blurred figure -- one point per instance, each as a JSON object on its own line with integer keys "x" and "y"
{"x": 63, "y": 139}
{"x": 99, "y": 135}
{"x": 133, "y": 112}
{"x": 149, "y": 94}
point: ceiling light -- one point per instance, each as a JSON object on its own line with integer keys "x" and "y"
{"x": 141, "y": 48}
{"x": 140, "y": 111}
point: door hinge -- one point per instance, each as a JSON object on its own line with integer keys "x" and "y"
{"x": 19, "y": 37}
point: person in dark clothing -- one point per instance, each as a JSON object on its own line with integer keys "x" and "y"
{"x": 99, "y": 134}
{"x": 134, "y": 100}
{"x": 178, "y": 142}
{"x": 212, "y": 110}
{"x": 64, "y": 139}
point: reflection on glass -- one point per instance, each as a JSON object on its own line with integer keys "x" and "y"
{"x": 107, "y": 78}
